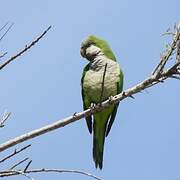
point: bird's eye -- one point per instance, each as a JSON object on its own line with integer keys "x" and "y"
{"x": 89, "y": 44}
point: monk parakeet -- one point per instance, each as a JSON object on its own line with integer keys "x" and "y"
{"x": 102, "y": 78}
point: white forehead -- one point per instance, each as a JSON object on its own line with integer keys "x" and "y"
{"x": 93, "y": 50}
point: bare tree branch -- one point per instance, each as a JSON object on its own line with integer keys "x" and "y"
{"x": 8, "y": 29}
{"x": 18, "y": 163}
{"x": 4, "y": 26}
{"x": 25, "y": 49}
{"x": 43, "y": 170}
{"x": 3, "y": 54}
{"x": 15, "y": 153}
{"x": 14, "y": 172}
{"x": 4, "y": 118}
{"x": 27, "y": 166}
{"x": 165, "y": 57}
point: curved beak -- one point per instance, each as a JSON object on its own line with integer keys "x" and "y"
{"x": 82, "y": 52}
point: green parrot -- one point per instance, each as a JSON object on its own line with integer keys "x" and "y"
{"x": 102, "y": 78}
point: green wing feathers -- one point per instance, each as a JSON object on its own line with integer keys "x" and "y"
{"x": 112, "y": 118}
{"x": 113, "y": 115}
{"x": 86, "y": 102}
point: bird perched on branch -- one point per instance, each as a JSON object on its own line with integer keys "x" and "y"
{"x": 102, "y": 78}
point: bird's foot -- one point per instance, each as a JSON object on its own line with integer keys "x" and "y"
{"x": 92, "y": 106}
{"x": 110, "y": 99}
{"x": 75, "y": 114}
{"x": 124, "y": 94}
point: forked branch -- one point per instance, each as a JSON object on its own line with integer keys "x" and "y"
{"x": 25, "y": 49}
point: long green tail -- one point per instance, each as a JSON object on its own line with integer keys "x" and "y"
{"x": 99, "y": 129}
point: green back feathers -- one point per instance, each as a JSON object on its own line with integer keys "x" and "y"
{"x": 102, "y": 44}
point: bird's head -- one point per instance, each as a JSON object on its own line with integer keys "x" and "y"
{"x": 93, "y": 46}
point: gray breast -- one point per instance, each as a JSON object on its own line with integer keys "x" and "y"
{"x": 93, "y": 80}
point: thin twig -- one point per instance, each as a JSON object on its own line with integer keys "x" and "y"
{"x": 27, "y": 166}
{"x": 168, "y": 33}
{"x": 18, "y": 163}
{"x": 103, "y": 80}
{"x": 175, "y": 77}
{"x": 6, "y": 31}
{"x": 165, "y": 57}
{"x": 3, "y": 54}
{"x": 43, "y": 170}
{"x": 14, "y": 153}
{"x": 4, "y": 118}
{"x": 25, "y": 49}
{"x": 4, "y": 26}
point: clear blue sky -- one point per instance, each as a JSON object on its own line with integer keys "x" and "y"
{"x": 43, "y": 86}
